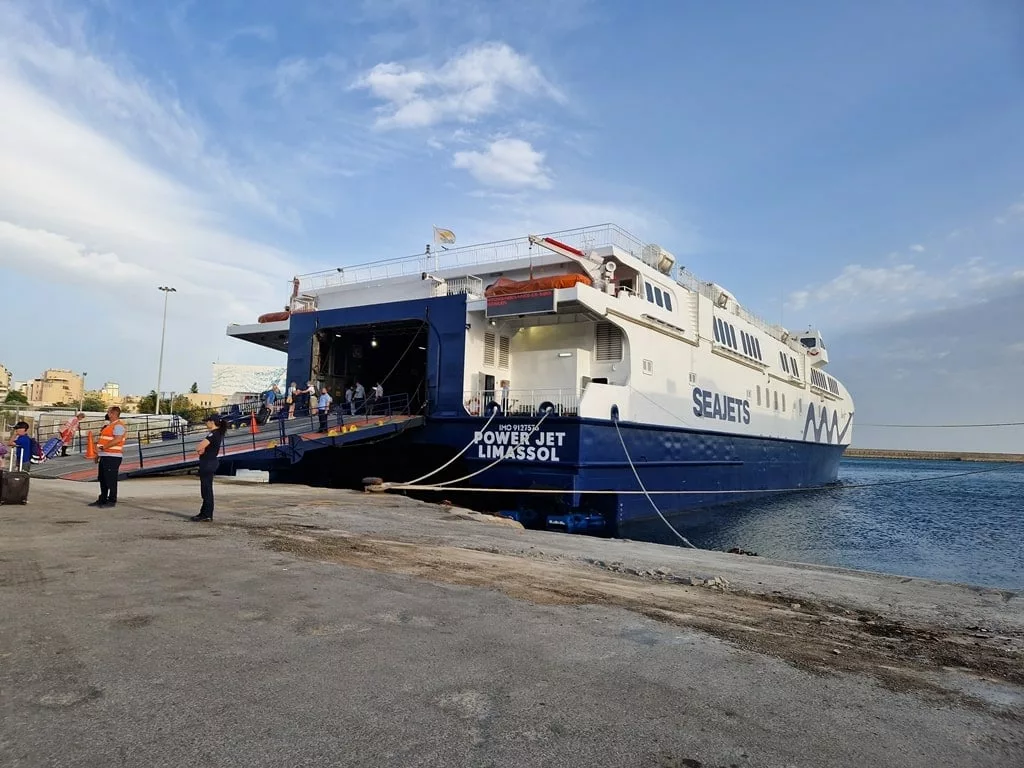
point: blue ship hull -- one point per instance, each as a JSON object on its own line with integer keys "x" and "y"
{"x": 684, "y": 469}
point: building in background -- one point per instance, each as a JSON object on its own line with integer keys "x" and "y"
{"x": 56, "y": 385}
{"x": 229, "y": 378}
{"x": 207, "y": 400}
{"x": 111, "y": 393}
{"x": 5, "y": 382}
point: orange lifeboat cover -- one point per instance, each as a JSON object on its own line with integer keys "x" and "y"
{"x": 273, "y": 317}
{"x": 503, "y": 286}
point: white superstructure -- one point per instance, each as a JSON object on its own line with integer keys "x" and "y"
{"x": 640, "y": 334}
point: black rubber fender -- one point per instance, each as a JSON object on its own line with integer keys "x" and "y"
{"x": 373, "y": 481}
{"x": 491, "y": 407}
{"x": 546, "y": 406}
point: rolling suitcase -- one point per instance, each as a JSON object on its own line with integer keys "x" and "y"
{"x": 13, "y": 484}
{"x": 52, "y": 447}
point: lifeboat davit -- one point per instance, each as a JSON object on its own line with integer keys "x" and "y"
{"x": 506, "y": 287}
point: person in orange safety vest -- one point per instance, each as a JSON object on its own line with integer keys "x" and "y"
{"x": 110, "y": 448}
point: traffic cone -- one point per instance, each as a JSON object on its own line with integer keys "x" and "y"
{"x": 90, "y": 446}
{"x": 252, "y": 424}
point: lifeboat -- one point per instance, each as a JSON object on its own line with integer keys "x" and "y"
{"x": 273, "y": 317}
{"x": 506, "y": 287}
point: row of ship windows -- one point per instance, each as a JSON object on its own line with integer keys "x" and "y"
{"x": 789, "y": 364}
{"x": 726, "y": 334}
{"x": 657, "y": 296}
{"x": 823, "y": 381}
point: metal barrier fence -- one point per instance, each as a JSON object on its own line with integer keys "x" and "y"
{"x": 288, "y": 423}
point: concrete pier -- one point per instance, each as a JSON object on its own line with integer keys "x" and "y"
{"x": 310, "y": 627}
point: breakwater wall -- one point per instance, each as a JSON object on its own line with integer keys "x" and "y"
{"x": 887, "y": 453}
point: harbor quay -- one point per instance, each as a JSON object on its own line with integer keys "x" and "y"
{"x": 317, "y": 627}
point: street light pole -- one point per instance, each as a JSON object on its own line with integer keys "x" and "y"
{"x": 163, "y": 332}
{"x": 81, "y": 404}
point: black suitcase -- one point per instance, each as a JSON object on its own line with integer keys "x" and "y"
{"x": 13, "y": 484}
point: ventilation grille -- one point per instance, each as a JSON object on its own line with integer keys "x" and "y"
{"x": 488, "y": 349}
{"x": 503, "y": 343}
{"x": 609, "y": 342}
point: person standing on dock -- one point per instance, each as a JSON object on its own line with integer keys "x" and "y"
{"x": 323, "y": 408}
{"x": 110, "y": 448}
{"x": 68, "y": 432}
{"x": 376, "y": 398}
{"x": 350, "y": 393}
{"x": 293, "y": 392}
{"x": 21, "y": 443}
{"x": 308, "y": 395}
{"x": 359, "y": 398}
{"x": 209, "y": 459}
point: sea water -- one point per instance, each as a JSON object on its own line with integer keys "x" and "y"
{"x": 916, "y": 518}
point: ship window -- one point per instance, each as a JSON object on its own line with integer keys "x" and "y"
{"x": 503, "y": 343}
{"x": 488, "y": 349}
{"x": 775, "y": 400}
{"x": 758, "y": 394}
{"x": 732, "y": 336}
{"x": 650, "y": 293}
{"x": 793, "y": 366}
{"x": 743, "y": 340}
{"x": 657, "y": 297}
{"x": 809, "y": 342}
{"x": 609, "y": 342}
{"x": 785, "y": 365}
{"x": 714, "y": 326}
{"x": 649, "y": 367}
{"x": 757, "y": 348}
{"x": 668, "y": 301}
{"x": 783, "y": 401}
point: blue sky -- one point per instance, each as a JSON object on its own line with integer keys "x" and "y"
{"x": 858, "y": 166}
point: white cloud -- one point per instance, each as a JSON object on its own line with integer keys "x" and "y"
{"x": 917, "y": 248}
{"x": 81, "y": 207}
{"x": 475, "y": 83}
{"x": 507, "y": 163}
{"x": 122, "y": 105}
{"x": 860, "y": 294}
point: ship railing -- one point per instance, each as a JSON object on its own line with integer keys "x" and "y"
{"x": 584, "y": 238}
{"x": 523, "y": 402}
{"x": 467, "y": 257}
{"x": 470, "y": 285}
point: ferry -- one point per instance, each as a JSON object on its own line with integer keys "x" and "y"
{"x": 583, "y": 379}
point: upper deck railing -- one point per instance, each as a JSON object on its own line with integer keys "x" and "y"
{"x": 467, "y": 257}
{"x": 585, "y": 238}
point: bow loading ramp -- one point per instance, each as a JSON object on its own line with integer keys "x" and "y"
{"x": 279, "y": 443}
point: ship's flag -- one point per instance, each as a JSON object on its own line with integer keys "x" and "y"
{"x": 444, "y": 236}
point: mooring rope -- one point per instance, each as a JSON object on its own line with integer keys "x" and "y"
{"x": 458, "y": 455}
{"x": 640, "y": 482}
{"x": 448, "y": 483}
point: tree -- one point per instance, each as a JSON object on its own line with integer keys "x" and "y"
{"x": 93, "y": 403}
{"x": 16, "y": 397}
{"x": 148, "y": 404}
{"x": 185, "y": 409}
{"x": 194, "y": 389}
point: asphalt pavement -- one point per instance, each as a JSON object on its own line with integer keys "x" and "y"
{"x": 134, "y": 638}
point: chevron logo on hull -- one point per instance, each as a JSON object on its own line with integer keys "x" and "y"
{"x": 822, "y": 424}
